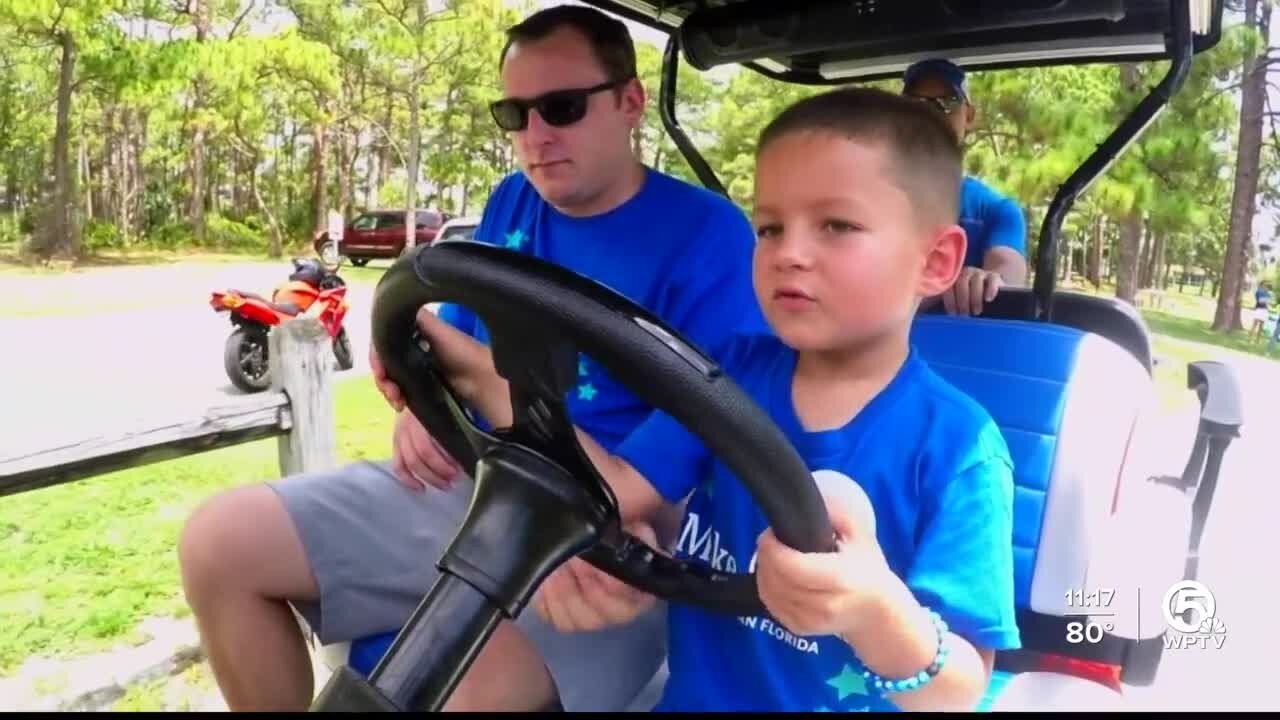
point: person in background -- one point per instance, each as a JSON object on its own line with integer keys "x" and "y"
{"x": 1262, "y": 299}
{"x": 993, "y": 222}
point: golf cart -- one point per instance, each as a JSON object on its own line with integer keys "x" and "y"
{"x": 1067, "y": 376}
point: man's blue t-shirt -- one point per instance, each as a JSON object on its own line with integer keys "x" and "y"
{"x": 938, "y": 474}
{"x": 680, "y": 251}
{"x": 989, "y": 219}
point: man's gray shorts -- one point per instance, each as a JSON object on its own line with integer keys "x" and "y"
{"x": 373, "y": 545}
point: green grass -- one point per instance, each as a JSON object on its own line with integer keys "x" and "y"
{"x": 1188, "y": 316}
{"x": 1197, "y": 331}
{"x": 83, "y": 563}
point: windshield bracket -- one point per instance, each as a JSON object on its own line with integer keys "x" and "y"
{"x": 667, "y": 108}
{"x": 1096, "y": 164}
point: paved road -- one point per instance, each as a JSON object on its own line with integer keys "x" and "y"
{"x": 124, "y": 366}
{"x": 127, "y": 366}
{"x": 1238, "y": 564}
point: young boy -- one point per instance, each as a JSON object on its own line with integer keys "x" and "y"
{"x": 855, "y": 209}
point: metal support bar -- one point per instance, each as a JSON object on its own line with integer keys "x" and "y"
{"x": 667, "y": 109}
{"x": 1105, "y": 154}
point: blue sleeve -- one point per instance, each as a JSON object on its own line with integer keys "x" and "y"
{"x": 1008, "y": 226}
{"x": 456, "y": 315}
{"x": 963, "y": 568}
{"x": 666, "y": 453}
{"x": 713, "y": 298}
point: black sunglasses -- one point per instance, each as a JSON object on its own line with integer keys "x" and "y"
{"x": 947, "y": 103}
{"x": 557, "y": 108}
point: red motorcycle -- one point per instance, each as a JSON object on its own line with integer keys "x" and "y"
{"x": 312, "y": 289}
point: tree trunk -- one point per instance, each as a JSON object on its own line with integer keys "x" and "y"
{"x": 415, "y": 142}
{"x": 10, "y": 199}
{"x": 1248, "y": 154}
{"x": 1094, "y": 265}
{"x": 344, "y": 172}
{"x": 86, "y": 178}
{"x": 1127, "y": 264}
{"x": 384, "y": 158}
{"x": 290, "y": 164}
{"x": 63, "y": 237}
{"x": 1144, "y": 257}
{"x": 196, "y": 202}
{"x": 319, "y": 178}
{"x": 252, "y": 180}
{"x": 1154, "y": 262}
{"x": 275, "y": 244}
{"x": 138, "y": 181}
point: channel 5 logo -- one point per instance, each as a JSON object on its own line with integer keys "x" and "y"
{"x": 1190, "y": 609}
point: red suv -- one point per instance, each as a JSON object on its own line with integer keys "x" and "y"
{"x": 380, "y": 234}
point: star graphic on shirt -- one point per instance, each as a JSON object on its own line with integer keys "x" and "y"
{"x": 848, "y": 682}
{"x": 587, "y": 391}
{"x": 514, "y": 240}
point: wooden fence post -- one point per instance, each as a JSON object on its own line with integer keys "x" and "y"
{"x": 301, "y": 360}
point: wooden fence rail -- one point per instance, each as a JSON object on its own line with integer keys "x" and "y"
{"x": 297, "y": 409}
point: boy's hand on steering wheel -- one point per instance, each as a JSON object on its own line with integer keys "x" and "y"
{"x": 825, "y": 593}
{"x": 579, "y": 597}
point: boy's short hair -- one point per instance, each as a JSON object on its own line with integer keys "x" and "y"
{"x": 609, "y": 38}
{"x": 924, "y": 150}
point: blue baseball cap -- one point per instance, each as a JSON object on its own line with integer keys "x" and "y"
{"x": 950, "y": 73}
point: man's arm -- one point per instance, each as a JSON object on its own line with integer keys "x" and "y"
{"x": 1007, "y": 243}
{"x": 1008, "y": 263}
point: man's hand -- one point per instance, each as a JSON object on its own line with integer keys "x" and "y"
{"x": 390, "y": 391}
{"x": 578, "y": 597}
{"x": 417, "y": 460}
{"x": 466, "y": 363}
{"x": 972, "y": 288}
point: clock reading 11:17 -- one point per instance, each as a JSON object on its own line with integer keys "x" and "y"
{"x": 1095, "y": 598}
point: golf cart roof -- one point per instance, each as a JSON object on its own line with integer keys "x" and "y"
{"x": 838, "y": 41}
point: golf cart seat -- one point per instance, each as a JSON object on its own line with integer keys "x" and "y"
{"x": 1100, "y": 534}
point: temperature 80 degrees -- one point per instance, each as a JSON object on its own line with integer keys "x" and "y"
{"x": 1078, "y": 632}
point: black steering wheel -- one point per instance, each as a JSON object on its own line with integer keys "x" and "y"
{"x": 540, "y": 316}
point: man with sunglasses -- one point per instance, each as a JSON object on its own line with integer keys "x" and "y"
{"x": 994, "y": 223}
{"x": 353, "y": 549}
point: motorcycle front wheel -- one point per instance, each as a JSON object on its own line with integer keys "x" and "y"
{"x": 245, "y": 359}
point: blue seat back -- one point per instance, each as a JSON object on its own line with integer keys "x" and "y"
{"x": 1019, "y": 372}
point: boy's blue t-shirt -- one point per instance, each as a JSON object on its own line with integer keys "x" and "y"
{"x": 939, "y": 477}
{"x": 680, "y": 251}
{"x": 989, "y": 219}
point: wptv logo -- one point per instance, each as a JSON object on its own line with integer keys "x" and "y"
{"x": 1191, "y": 612}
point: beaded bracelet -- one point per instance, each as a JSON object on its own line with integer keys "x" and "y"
{"x": 883, "y": 686}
